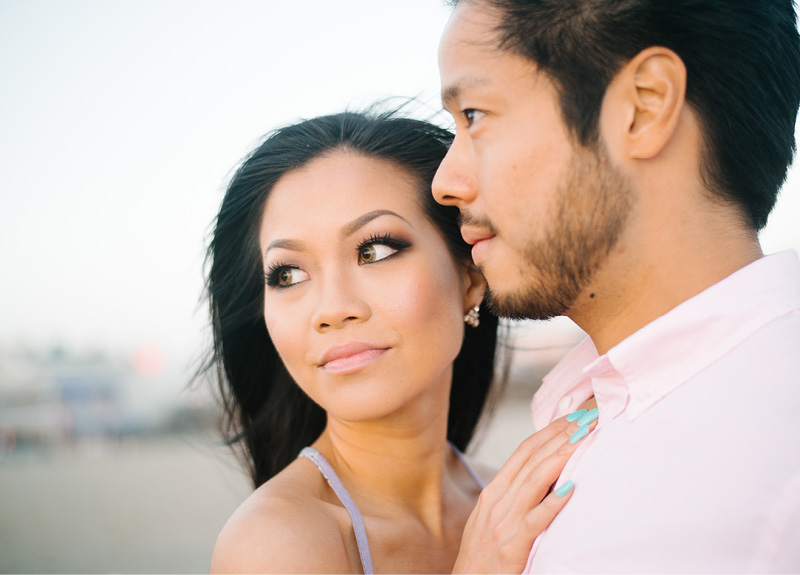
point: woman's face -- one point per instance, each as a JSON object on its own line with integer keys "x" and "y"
{"x": 363, "y": 300}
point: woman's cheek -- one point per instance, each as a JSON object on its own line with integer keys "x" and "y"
{"x": 429, "y": 299}
{"x": 287, "y": 337}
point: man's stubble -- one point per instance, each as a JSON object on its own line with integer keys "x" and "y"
{"x": 591, "y": 210}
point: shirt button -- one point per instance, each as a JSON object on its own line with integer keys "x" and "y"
{"x": 565, "y": 402}
{"x": 643, "y": 396}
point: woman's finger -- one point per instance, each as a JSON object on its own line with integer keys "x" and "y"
{"x": 535, "y": 448}
{"x": 543, "y": 467}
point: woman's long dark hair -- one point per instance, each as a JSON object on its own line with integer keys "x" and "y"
{"x": 266, "y": 413}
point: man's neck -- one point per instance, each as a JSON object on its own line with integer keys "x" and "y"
{"x": 644, "y": 280}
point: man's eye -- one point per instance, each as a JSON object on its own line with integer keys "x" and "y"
{"x": 372, "y": 253}
{"x": 471, "y": 115}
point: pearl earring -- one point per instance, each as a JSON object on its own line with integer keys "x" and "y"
{"x": 472, "y": 319}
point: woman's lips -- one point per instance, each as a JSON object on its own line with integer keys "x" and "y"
{"x": 350, "y": 358}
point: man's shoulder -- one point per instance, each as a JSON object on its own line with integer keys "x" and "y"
{"x": 772, "y": 352}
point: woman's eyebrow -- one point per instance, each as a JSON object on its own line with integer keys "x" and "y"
{"x": 294, "y": 245}
{"x": 361, "y": 221}
{"x": 347, "y": 230}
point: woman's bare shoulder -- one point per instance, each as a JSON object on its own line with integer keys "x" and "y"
{"x": 282, "y": 527}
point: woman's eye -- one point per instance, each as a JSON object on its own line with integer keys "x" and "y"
{"x": 372, "y": 253}
{"x": 285, "y": 276}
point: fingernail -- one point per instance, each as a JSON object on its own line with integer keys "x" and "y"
{"x": 575, "y": 415}
{"x": 580, "y": 434}
{"x": 588, "y": 417}
{"x": 565, "y": 488}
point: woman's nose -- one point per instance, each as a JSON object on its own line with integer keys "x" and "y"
{"x": 340, "y": 302}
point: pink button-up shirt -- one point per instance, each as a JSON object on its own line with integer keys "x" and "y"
{"x": 695, "y": 463}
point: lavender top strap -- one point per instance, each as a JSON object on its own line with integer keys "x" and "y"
{"x": 355, "y": 515}
{"x": 481, "y": 483}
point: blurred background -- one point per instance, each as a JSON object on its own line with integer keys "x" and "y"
{"x": 120, "y": 123}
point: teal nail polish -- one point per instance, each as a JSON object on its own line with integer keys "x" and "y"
{"x": 575, "y": 415}
{"x": 580, "y": 434}
{"x": 565, "y": 488}
{"x": 589, "y": 417}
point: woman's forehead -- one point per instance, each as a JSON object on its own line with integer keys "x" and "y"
{"x": 336, "y": 189}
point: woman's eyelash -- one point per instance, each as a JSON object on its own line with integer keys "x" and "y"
{"x": 272, "y": 276}
{"x": 273, "y": 273}
{"x": 386, "y": 239}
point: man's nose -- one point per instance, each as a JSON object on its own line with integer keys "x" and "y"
{"x": 455, "y": 183}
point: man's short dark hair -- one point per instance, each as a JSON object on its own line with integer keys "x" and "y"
{"x": 743, "y": 64}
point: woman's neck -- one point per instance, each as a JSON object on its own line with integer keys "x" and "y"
{"x": 401, "y": 464}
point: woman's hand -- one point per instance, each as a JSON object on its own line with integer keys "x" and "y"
{"x": 515, "y": 507}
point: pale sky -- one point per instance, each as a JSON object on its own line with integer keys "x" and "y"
{"x": 120, "y": 122}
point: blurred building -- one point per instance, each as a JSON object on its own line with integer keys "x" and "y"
{"x": 56, "y": 396}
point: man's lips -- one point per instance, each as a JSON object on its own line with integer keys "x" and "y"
{"x": 479, "y": 239}
{"x": 350, "y": 357}
{"x": 473, "y": 235}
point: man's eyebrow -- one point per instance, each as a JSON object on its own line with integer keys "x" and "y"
{"x": 450, "y": 95}
{"x": 361, "y": 221}
{"x": 453, "y": 92}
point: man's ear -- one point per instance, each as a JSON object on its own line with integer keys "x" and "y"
{"x": 644, "y": 102}
{"x": 474, "y": 286}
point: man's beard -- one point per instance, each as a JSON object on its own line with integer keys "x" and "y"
{"x": 591, "y": 210}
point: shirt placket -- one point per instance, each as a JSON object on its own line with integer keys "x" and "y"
{"x": 611, "y": 393}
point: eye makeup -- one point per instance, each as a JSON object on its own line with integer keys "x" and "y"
{"x": 281, "y": 275}
{"x": 366, "y": 246}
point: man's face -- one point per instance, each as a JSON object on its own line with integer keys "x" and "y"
{"x": 542, "y": 212}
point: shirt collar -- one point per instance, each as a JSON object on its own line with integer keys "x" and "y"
{"x": 566, "y": 378}
{"x": 658, "y": 358}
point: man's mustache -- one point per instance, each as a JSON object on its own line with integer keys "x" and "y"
{"x": 465, "y": 218}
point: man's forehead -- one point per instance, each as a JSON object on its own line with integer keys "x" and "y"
{"x": 471, "y": 59}
{"x": 471, "y": 32}
{"x": 471, "y": 24}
